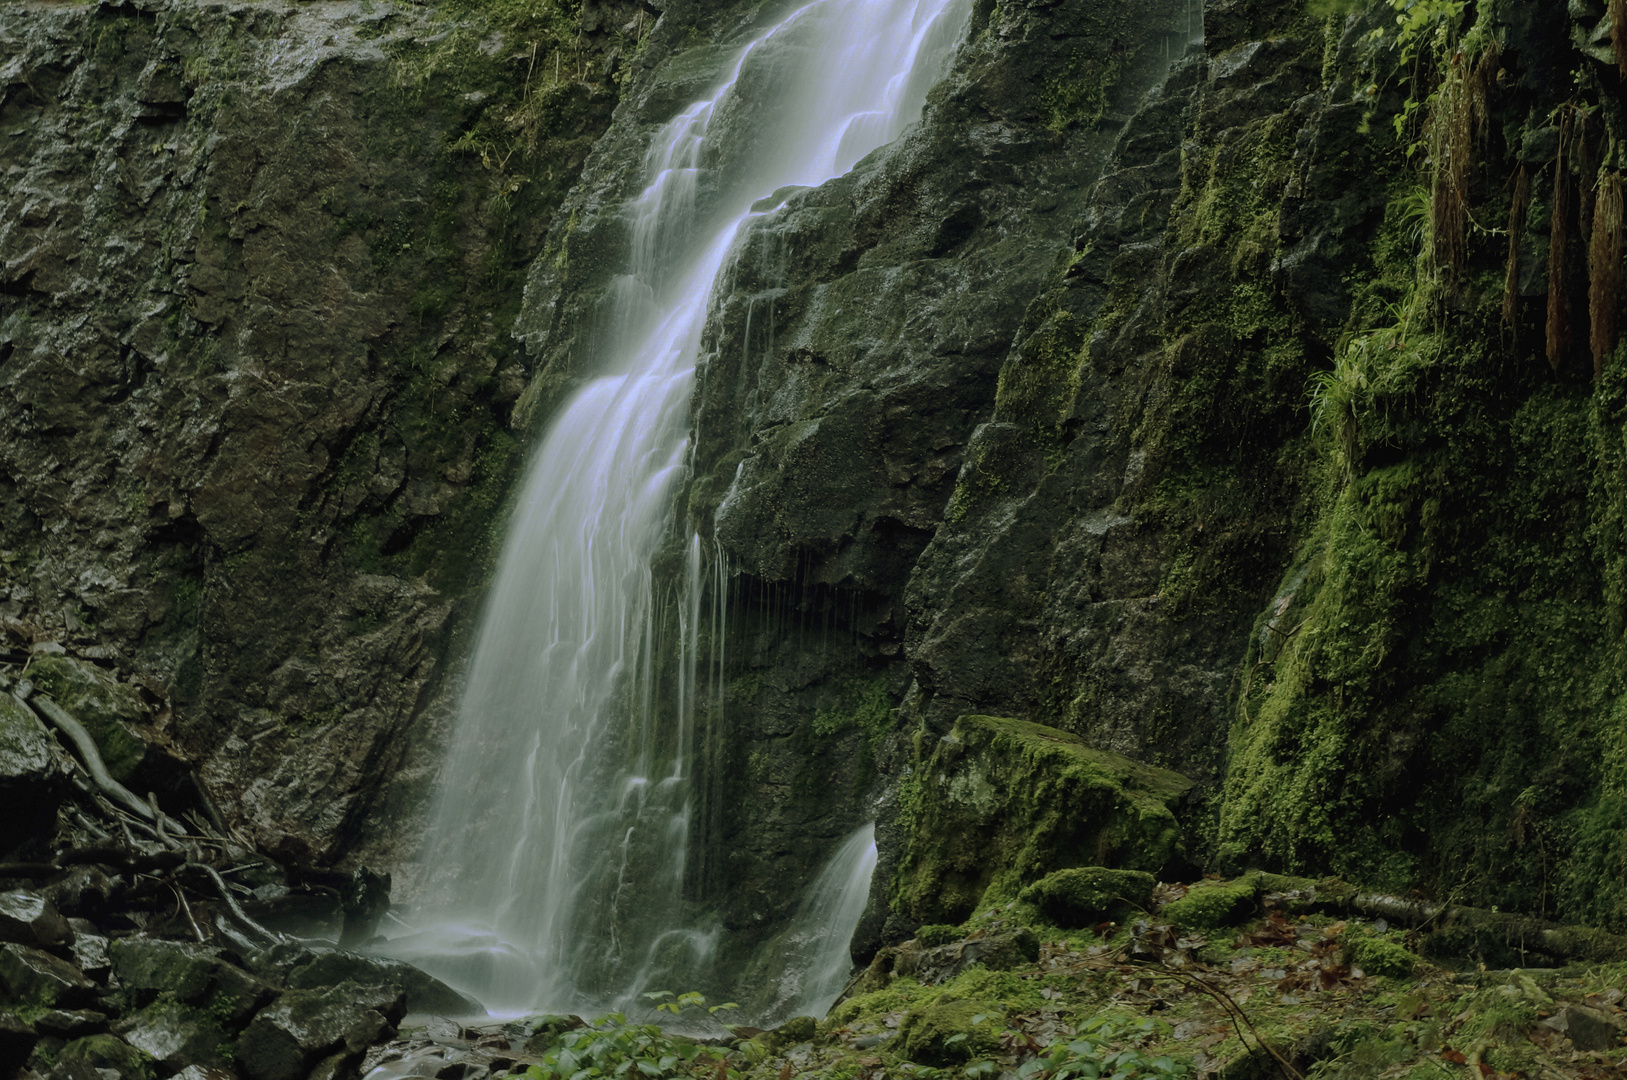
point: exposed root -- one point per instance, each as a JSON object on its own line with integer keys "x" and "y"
{"x": 1516, "y": 227}
{"x": 1558, "y": 239}
{"x": 1604, "y": 269}
{"x": 89, "y": 754}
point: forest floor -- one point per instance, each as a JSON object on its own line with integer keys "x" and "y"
{"x": 1263, "y": 993}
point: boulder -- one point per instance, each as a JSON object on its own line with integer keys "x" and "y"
{"x": 177, "y": 1036}
{"x": 313, "y": 968}
{"x": 997, "y": 952}
{"x": 290, "y": 1036}
{"x": 107, "y": 1052}
{"x": 115, "y": 716}
{"x": 25, "y": 746}
{"x": 90, "y": 951}
{"x": 1003, "y": 802}
{"x": 28, "y": 918}
{"x": 34, "y": 978}
{"x": 79, "y": 890}
{"x": 1081, "y": 896}
{"x": 188, "y": 973}
{"x": 70, "y": 1023}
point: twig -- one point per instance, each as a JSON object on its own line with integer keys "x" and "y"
{"x": 186, "y": 907}
{"x": 1234, "y": 1012}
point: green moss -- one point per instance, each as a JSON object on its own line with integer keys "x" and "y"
{"x": 937, "y": 934}
{"x": 1079, "y": 97}
{"x": 1002, "y": 803}
{"x": 1378, "y": 954}
{"x": 1212, "y": 904}
{"x": 950, "y": 1030}
{"x": 108, "y": 1052}
{"x": 1083, "y": 895}
{"x": 865, "y": 706}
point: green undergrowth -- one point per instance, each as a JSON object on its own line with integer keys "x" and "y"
{"x": 1325, "y": 997}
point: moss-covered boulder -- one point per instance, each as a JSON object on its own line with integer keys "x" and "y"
{"x": 1082, "y": 895}
{"x": 947, "y": 1031}
{"x": 1000, "y": 803}
{"x": 1209, "y": 904}
{"x": 107, "y": 1052}
{"x": 25, "y": 756}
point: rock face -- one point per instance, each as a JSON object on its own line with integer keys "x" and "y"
{"x": 1014, "y": 420}
{"x": 1004, "y": 802}
{"x": 255, "y": 371}
{"x": 847, "y": 366}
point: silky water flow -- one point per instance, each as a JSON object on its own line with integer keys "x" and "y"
{"x": 559, "y": 836}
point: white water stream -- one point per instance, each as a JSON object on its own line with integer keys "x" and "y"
{"x": 560, "y": 832}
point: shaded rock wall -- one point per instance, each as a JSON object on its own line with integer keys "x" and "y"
{"x": 255, "y": 370}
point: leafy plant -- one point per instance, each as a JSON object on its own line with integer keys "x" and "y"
{"x": 1091, "y": 1055}
{"x": 611, "y": 1046}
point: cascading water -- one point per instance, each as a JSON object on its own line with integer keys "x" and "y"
{"x": 560, "y": 831}
{"x": 812, "y": 958}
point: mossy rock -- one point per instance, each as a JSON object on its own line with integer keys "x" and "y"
{"x": 110, "y": 711}
{"x": 933, "y": 1035}
{"x": 1378, "y": 955}
{"x": 935, "y": 934}
{"x": 109, "y": 1052}
{"x": 1003, "y": 802}
{"x": 1211, "y": 904}
{"x": 1084, "y": 895}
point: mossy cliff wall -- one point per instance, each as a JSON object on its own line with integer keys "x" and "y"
{"x": 1158, "y": 396}
{"x": 1263, "y": 487}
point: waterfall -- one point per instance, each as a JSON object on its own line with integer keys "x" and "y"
{"x": 812, "y": 957}
{"x": 559, "y": 834}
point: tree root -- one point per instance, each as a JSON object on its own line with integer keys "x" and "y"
{"x": 89, "y": 753}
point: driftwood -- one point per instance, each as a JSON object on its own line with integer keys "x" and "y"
{"x": 1451, "y": 929}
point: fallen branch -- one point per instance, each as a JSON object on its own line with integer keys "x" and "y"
{"x": 1452, "y": 922}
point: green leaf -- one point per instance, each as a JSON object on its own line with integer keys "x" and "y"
{"x": 657, "y": 995}
{"x": 648, "y": 1068}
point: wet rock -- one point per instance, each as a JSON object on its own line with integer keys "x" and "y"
{"x": 290, "y": 1036}
{"x": 32, "y": 977}
{"x": 90, "y": 951}
{"x": 71, "y": 1024}
{"x": 193, "y": 974}
{"x": 177, "y": 1035}
{"x": 108, "y": 1052}
{"x": 25, "y": 746}
{"x": 423, "y": 992}
{"x": 28, "y": 918}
